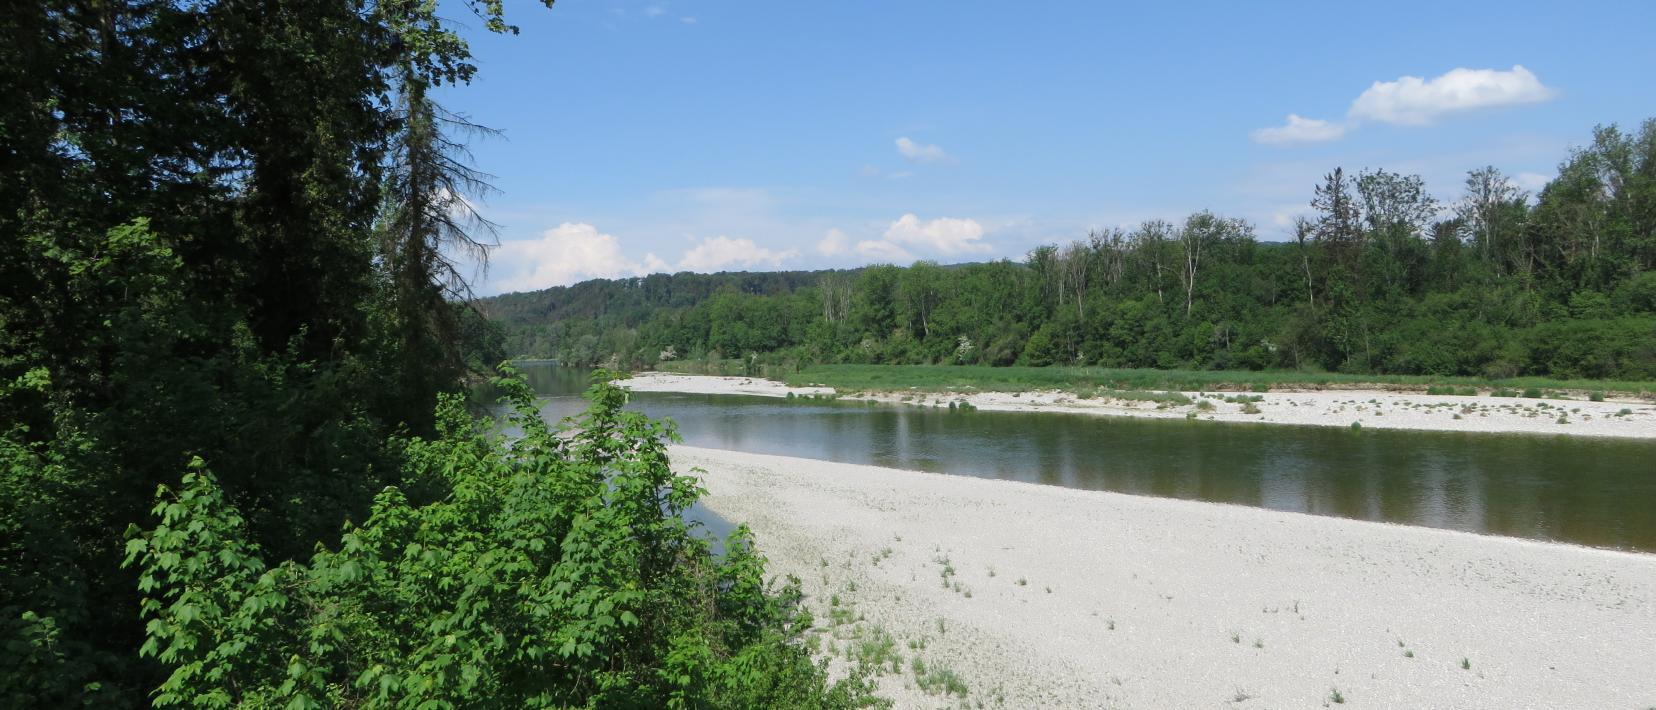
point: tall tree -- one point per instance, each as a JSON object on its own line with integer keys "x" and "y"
{"x": 1486, "y": 211}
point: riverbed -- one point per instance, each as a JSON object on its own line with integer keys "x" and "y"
{"x": 1045, "y": 596}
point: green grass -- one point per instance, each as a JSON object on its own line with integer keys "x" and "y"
{"x": 972, "y": 378}
{"x": 937, "y": 679}
{"x": 879, "y": 650}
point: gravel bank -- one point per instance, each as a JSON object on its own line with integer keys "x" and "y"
{"x": 1038, "y": 596}
{"x": 1340, "y": 408}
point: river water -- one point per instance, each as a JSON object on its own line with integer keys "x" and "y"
{"x": 1597, "y": 492}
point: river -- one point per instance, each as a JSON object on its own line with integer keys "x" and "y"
{"x": 1596, "y": 492}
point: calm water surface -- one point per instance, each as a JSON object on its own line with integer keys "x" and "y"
{"x": 1599, "y": 492}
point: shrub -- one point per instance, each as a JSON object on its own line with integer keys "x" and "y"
{"x": 556, "y": 570}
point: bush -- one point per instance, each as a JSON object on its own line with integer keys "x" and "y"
{"x": 556, "y": 570}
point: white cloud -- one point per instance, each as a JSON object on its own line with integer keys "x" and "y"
{"x": 882, "y": 252}
{"x": 688, "y": 19}
{"x": 721, "y": 252}
{"x": 921, "y": 152}
{"x": 944, "y": 234}
{"x": 1531, "y": 181}
{"x": 1299, "y": 130}
{"x": 833, "y": 243}
{"x": 1414, "y": 101}
{"x": 655, "y": 11}
{"x": 569, "y": 253}
{"x": 574, "y": 252}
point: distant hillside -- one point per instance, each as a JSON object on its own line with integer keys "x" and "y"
{"x": 632, "y": 299}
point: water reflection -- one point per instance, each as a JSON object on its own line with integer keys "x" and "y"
{"x": 1591, "y": 492}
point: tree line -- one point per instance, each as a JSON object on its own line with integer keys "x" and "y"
{"x": 236, "y": 467}
{"x": 1378, "y": 277}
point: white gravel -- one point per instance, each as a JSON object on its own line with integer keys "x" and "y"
{"x": 1069, "y": 598}
{"x": 1374, "y": 409}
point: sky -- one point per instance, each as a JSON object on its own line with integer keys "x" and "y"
{"x": 725, "y": 135}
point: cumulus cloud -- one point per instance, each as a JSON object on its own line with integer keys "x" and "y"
{"x": 833, "y": 243}
{"x": 882, "y": 252}
{"x": 722, "y": 252}
{"x": 574, "y": 252}
{"x": 561, "y": 256}
{"x": 1413, "y": 101}
{"x": 921, "y": 152}
{"x": 945, "y": 235}
{"x": 1299, "y": 130}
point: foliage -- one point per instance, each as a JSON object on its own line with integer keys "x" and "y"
{"x": 225, "y": 238}
{"x": 555, "y": 571}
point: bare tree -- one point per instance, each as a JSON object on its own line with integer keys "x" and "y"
{"x": 1075, "y": 266}
{"x": 1200, "y": 233}
{"x": 1150, "y": 246}
{"x": 836, "y": 296}
{"x": 1489, "y": 194}
{"x": 1304, "y": 232}
{"x": 1110, "y": 248}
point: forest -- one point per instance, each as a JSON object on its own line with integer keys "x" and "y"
{"x": 238, "y": 463}
{"x": 1379, "y": 278}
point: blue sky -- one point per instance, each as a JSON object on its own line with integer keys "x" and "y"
{"x": 649, "y": 136}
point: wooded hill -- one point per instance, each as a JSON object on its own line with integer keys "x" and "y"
{"x": 1380, "y": 278}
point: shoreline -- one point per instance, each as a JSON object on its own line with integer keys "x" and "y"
{"x": 1030, "y": 595}
{"x": 1329, "y": 408}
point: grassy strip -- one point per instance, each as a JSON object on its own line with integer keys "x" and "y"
{"x": 964, "y": 378}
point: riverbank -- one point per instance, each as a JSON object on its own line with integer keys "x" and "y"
{"x": 1614, "y": 417}
{"x": 1022, "y": 595}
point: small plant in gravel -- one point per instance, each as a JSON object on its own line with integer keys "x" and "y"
{"x": 937, "y": 679}
{"x": 1236, "y": 637}
{"x": 1335, "y": 697}
{"x": 1259, "y": 642}
{"x": 1408, "y": 653}
{"x": 1466, "y": 664}
{"x": 879, "y": 650}
{"x": 947, "y": 571}
{"x": 1023, "y": 582}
